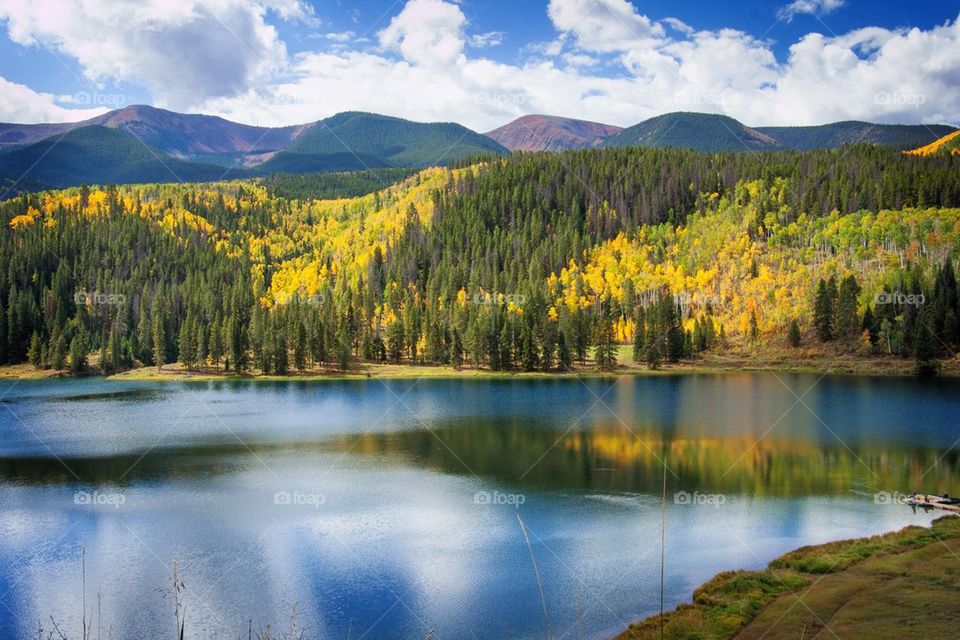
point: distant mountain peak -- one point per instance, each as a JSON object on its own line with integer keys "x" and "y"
{"x": 698, "y": 131}
{"x": 539, "y": 132}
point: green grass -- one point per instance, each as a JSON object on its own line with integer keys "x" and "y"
{"x": 865, "y": 588}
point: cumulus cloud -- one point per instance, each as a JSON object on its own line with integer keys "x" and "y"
{"x": 870, "y": 74}
{"x": 813, "y": 7}
{"x": 20, "y": 103}
{"x": 607, "y": 62}
{"x": 604, "y": 25}
{"x": 489, "y": 39}
{"x": 183, "y": 51}
{"x": 427, "y": 32}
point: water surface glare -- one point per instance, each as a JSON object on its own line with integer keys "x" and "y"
{"x": 388, "y": 509}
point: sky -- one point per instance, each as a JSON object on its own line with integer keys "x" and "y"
{"x": 484, "y": 63}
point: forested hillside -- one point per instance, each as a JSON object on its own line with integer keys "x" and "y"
{"x": 530, "y": 262}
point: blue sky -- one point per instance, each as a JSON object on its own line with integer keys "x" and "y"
{"x": 483, "y": 62}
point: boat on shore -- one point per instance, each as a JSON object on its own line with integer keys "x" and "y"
{"x": 928, "y": 501}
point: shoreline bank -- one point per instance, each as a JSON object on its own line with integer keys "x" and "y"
{"x": 714, "y": 364}
{"x": 859, "y": 588}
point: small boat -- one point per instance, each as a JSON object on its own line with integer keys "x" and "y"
{"x": 929, "y": 501}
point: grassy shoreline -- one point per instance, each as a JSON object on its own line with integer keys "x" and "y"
{"x": 773, "y": 361}
{"x": 861, "y": 588}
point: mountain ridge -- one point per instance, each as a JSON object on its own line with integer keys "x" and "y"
{"x": 203, "y": 147}
{"x": 539, "y": 132}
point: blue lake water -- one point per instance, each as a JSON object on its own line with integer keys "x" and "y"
{"x": 389, "y": 509}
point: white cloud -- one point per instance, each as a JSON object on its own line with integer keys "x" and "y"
{"x": 342, "y": 36}
{"x": 679, "y": 25}
{"x": 427, "y": 32}
{"x": 813, "y": 7}
{"x": 489, "y": 39}
{"x": 183, "y": 51}
{"x": 20, "y": 103}
{"x": 604, "y": 25}
{"x": 607, "y": 63}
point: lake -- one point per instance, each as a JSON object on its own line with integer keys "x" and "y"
{"x": 389, "y": 509}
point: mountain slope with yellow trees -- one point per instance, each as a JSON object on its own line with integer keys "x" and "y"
{"x": 949, "y": 143}
{"x": 540, "y": 262}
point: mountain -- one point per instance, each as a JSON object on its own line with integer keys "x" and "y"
{"x": 948, "y": 144}
{"x": 18, "y": 135}
{"x": 551, "y": 133}
{"x": 98, "y": 154}
{"x": 828, "y": 136}
{"x": 711, "y": 132}
{"x": 698, "y": 131}
{"x": 389, "y": 141}
{"x": 188, "y": 136}
{"x": 144, "y": 144}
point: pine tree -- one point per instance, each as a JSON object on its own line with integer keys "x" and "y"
{"x": 794, "y": 333}
{"x": 639, "y": 336}
{"x": 159, "y": 337}
{"x": 300, "y": 348}
{"x": 187, "y": 344}
{"x": 823, "y": 311}
{"x": 395, "y": 341}
{"x": 216, "y": 342}
{"x": 144, "y": 335}
{"x": 78, "y": 355}
{"x": 848, "y": 322}
{"x": 869, "y": 324}
{"x": 58, "y": 350}
{"x": 605, "y": 349}
{"x": 654, "y": 342}
{"x": 35, "y": 352}
{"x": 925, "y": 348}
{"x": 281, "y": 362}
{"x": 564, "y": 357}
{"x": 343, "y": 349}
{"x": 505, "y": 346}
{"x": 202, "y": 349}
{"x": 456, "y": 351}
